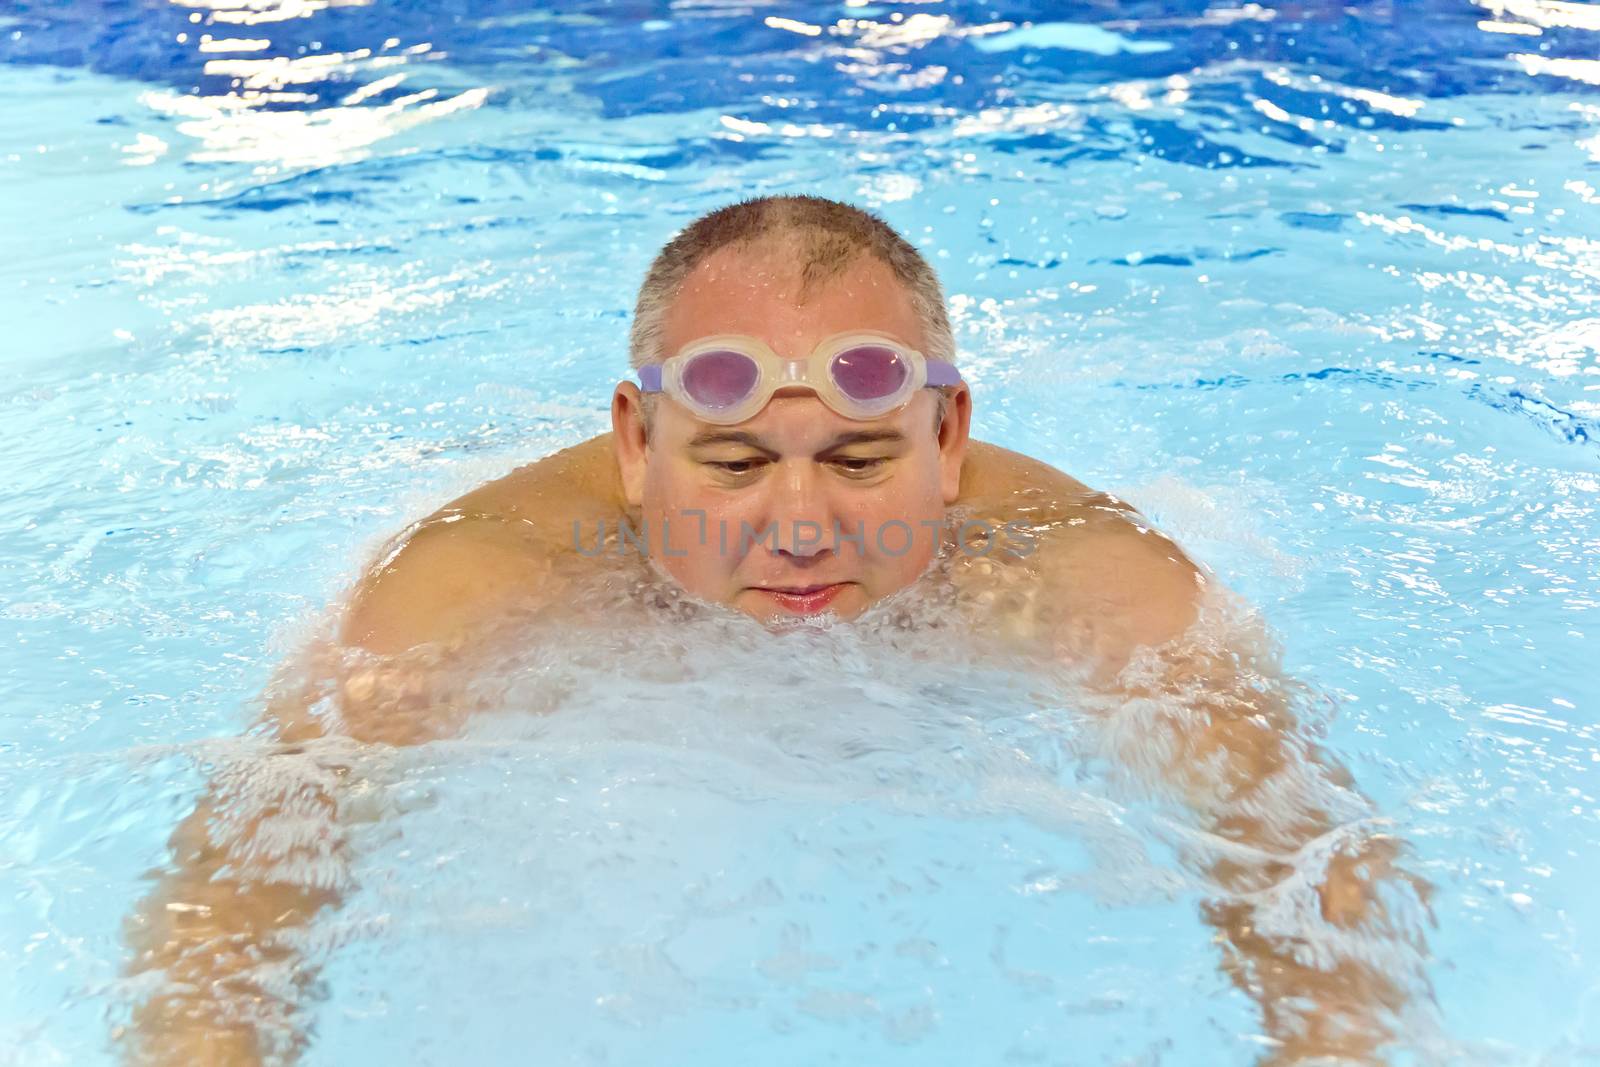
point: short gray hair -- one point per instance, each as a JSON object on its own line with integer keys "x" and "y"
{"x": 823, "y": 236}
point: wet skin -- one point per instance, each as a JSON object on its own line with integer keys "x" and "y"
{"x": 796, "y": 467}
{"x": 797, "y": 464}
{"x": 1096, "y": 587}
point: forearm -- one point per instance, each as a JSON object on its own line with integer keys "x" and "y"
{"x": 215, "y": 943}
{"x": 1316, "y": 921}
{"x": 214, "y": 938}
{"x": 1309, "y": 937}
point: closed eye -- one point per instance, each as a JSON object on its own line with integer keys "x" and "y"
{"x": 860, "y": 466}
{"x": 735, "y": 466}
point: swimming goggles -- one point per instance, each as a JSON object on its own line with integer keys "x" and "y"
{"x": 728, "y": 378}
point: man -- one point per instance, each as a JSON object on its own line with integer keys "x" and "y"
{"x": 789, "y": 273}
{"x": 796, "y": 447}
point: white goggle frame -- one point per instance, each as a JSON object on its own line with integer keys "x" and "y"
{"x": 773, "y": 372}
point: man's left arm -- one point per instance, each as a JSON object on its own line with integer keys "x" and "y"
{"x": 1201, "y": 708}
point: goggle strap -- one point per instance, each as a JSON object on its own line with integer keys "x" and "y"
{"x": 650, "y": 378}
{"x": 942, "y": 373}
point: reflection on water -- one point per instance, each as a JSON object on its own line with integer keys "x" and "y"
{"x": 1527, "y": 16}
{"x": 259, "y": 12}
{"x": 304, "y": 110}
{"x": 230, "y": 131}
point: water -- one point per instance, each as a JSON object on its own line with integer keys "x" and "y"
{"x": 1313, "y": 286}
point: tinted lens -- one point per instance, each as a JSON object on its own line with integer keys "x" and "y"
{"x": 720, "y": 379}
{"x": 869, "y": 372}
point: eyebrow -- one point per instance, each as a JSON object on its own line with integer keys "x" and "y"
{"x": 744, "y": 437}
{"x": 865, "y": 437}
{"x": 727, "y": 437}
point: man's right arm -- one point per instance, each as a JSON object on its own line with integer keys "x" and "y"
{"x": 263, "y": 852}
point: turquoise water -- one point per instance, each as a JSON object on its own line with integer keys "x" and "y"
{"x": 1317, "y": 289}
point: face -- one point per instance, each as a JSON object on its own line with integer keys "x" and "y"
{"x": 763, "y": 516}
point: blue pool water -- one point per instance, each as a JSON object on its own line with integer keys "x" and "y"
{"x": 1316, "y": 286}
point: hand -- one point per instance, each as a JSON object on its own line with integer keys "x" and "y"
{"x": 1349, "y": 892}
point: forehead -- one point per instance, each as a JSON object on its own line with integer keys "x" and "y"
{"x": 758, "y": 293}
{"x": 800, "y": 421}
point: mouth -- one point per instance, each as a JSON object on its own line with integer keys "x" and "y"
{"x": 802, "y": 599}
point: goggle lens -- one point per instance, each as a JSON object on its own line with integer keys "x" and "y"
{"x": 720, "y": 379}
{"x": 869, "y": 372}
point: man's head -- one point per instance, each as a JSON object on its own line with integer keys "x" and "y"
{"x": 753, "y": 512}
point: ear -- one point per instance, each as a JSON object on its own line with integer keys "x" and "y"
{"x": 953, "y": 432}
{"x": 629, "y": 440}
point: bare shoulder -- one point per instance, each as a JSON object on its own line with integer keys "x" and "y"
{"x": 1132, "y": 585}
{"x": 481, "y": 555}
{"x": 1118, "y": 582}
{"x": 573, "y": 485}
{"x": 997, "y": 478}
{"x": 441, "y": 582}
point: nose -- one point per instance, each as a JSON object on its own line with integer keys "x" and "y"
{"x": 800, "y": 508}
